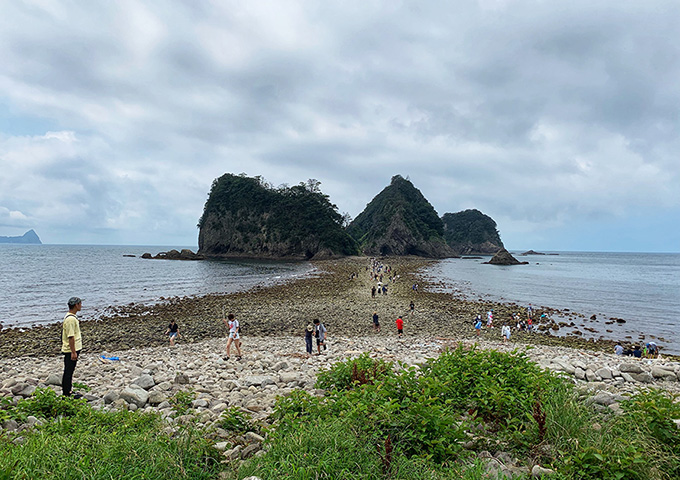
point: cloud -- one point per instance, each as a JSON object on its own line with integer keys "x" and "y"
{"x": 537, "y": 113}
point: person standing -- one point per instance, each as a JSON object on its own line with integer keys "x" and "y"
{"x": 376, "y": 322}
{"x": 505, "y": 332}
{"x": 172, "y": 331}
{"x": 478, "y": 324}
{"x": 400, "y": 326}
{"x": 234, "y": 335}
{"x": 489, "y": 318}
{"x": 71, "y": 345}
{"x": 412, "y": 307}
{"x": 530, "y": 312}
{"x": 309, "y": 334}
{"x": 373, "y": 291}
{"x": 320, "y": 334}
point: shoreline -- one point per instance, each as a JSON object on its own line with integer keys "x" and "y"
{"x": 343, "y": 304}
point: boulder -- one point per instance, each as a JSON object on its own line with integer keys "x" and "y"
{"x": 630, "y": 368}
{"x": 644, "y": 377}
{"x": 157, "y": 397}
{"x": 145, "y": 381}
{"x": 53, "y": 379}
{"x": 111, "y": 396}
{"x": 663, "y": 373}
{"x": 134, "y": 394}
{"x": 604, "y": 373}
{"x": 256, "y": 380}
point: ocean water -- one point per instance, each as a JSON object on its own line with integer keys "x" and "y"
{"x": 641, "y": 288}
{"x": 36, "y": 281}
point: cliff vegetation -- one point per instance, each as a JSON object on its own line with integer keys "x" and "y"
{"x": 471, "y": 232}
{"x": 400, "y": 221}
{"x": 248, "y": 217}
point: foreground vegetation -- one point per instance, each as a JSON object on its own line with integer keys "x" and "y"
{"x": 378, "y": 420}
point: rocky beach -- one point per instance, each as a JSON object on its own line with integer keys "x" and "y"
{"x": 343, "y": 303}
{"x": 146, "y": 373}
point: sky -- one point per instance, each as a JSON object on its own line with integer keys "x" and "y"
{"x": 560, "y": 120}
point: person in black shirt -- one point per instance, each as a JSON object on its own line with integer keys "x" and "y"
{"x": 172, "y": 331}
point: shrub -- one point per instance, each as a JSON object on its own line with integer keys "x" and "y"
{"x": 359, "y": 371}
{"x": 234, "y": 420}
{"x": 46, "y": 403}
{"x": 181, "y": 401}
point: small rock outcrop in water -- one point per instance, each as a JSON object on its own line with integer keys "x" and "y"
{"x": 531, "y": 252}
{"x": 503, "y": 257}
{"x": 29, "y": 237}
{"x": 246, "y": 217}
{"x": 185, "y": 254}
{"x": 471, "y": 232}
{"x": 400, "y": 221}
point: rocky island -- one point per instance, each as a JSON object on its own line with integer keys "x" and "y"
{"x": 29, "y": 237}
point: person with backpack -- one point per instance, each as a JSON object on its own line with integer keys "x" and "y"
{"x": 320, "y": 334}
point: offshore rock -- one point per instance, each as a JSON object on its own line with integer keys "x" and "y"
{"x": 471, "y": 232}
{"x": 503, "y": 257}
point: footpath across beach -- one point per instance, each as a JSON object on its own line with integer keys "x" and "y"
{"x": 339, "y": 294}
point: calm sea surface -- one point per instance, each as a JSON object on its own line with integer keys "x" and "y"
{"x": 36, "y": 281}
{"x": 641, "y": 288}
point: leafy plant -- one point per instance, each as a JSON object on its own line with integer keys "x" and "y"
{"x": 45, "y": 403}
{"x": 235, "y": 420}
{"x": 359, "y": 371}
{"x": 181, "y": 401}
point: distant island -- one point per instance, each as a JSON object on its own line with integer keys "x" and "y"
{"x": 29, "y": 237}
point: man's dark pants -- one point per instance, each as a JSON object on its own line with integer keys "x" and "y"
{"x": 67, "y": 379}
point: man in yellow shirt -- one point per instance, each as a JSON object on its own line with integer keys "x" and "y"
{"x": 71, "y": 344}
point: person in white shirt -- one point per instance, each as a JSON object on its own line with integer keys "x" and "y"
{"x": 234, "y": 335}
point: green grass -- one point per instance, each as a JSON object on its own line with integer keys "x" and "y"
{"x": 104, "y": 445}
{"x": 380, "y": 422}
{"x": 377, "y": 421}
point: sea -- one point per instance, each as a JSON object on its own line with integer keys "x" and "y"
{"x": 36, "y": 281}
{"x": 643, "y": 289}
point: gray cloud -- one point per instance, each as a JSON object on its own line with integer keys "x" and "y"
{"x": 539, "y": 114}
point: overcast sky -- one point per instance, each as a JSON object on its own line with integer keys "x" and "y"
{"x": 560, "y": 120}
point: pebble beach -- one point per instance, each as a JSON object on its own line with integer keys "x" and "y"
{"x": 146, "y": 372}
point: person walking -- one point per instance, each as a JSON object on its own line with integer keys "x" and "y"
{"x": 478, "y": 324}
{"x": 376, "y": 322}
{"x": 71, "y": 345}
{"x": 400, "y": 326}
{"x": 309, "y": 334}
{"x": 412, "y": 308}
{"x": 320, "y": 334}
{"x": 172, "y": 331}
{"x": 234, "y": 335}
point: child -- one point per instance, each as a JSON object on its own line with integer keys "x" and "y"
{"x": 172, "y": 331}
{"x": 400, "y": 326}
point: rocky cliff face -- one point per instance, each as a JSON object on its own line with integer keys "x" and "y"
{"x": 400, "y": 221}
{"x": 245, "y": 217}
{"x": 470, "y": 232}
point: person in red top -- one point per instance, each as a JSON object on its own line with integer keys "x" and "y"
{"x": 400, "y": 326}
